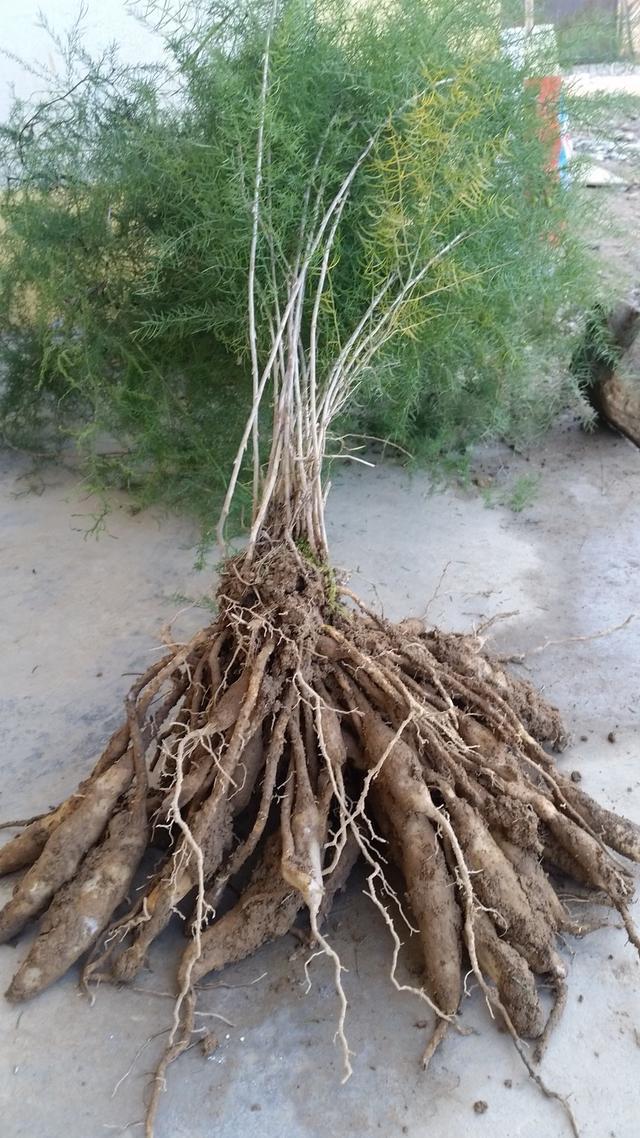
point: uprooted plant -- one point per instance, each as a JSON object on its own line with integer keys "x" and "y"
{"x": 301, "y": 732}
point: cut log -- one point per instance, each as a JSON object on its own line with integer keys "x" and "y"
{"x": 607, "y": 365}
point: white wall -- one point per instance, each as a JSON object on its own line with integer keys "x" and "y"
{"x": 105, "y": 21}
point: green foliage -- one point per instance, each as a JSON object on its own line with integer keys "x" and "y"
{"x": 126, "y": 228}
{"x": 523, "y": 492}
{"x": 517, "y": 496}
{"x": 591, "y": 36}
{"x": 596, "y": 348}
{"x": 601, "y": 112}
{"x": 484, "y": 360}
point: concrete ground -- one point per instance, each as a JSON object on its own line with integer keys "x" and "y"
{"x": 609, "y": 79}
{"x": 78, "y": 614}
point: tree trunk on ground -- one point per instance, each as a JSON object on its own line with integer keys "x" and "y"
{"x": 607, "y": 364}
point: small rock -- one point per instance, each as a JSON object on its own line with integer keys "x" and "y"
{"x": 611, "y": 736}
{"x": 420, "y": 1024}
{"x": 480, "y": 1106}
{"x": 598, "y": 176}
{"x": 508, "y": 1083}
{"x": 576, "y": 776}
{"x": 209, "y": 1043}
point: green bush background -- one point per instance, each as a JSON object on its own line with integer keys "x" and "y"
{"x": 126, "y": 226}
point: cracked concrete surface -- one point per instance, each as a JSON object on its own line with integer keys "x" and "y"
{"x": 77, "y": 614}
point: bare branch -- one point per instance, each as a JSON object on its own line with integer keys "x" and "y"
{"x": 253, "y": 343}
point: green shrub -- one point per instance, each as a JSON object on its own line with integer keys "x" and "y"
{"x": 126, "y": 227}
